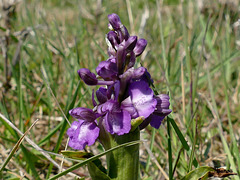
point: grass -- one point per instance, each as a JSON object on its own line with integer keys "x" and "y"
{"x": 192, "y": 54}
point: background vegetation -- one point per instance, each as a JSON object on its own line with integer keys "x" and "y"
{"x": 192, "y": 53}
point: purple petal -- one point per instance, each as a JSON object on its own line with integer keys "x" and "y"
{"x": 82, "y": 133}
{"x": 121, "y": 56}
{"x": 162, "y": 105}
{"x": 117, "y": 89}
{"x": 87, "y": 76}
{"x": 83, "y": 114}
{"x": 118, "y": 122}
{"x": 132, "y": 60}
{"x": 101, "y": 94}
{"x": 107, "y": 70}
{"x": 156, "y": 120}
{"x": 129, "y": 107}
{"x": 140, "y": 46}
{"x": 142, "y": 98}
{"x": 162, "y": 101}
{"x": 131, "y": 73}
{"x": 147, "y": 77}
{"x": 139, "y": 72}
{"x": 131, "y": 43}
{"x": 105, "y": 107}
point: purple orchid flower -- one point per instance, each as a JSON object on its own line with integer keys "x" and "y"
{"x": 80, "y": 130}
{"x": 126, "y": 93}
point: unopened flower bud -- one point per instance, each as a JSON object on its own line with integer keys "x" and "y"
{"x": 140, "y": 46}
{"x": 101, "y": 94}
{"x": 87, "y": 76}
{"x": 115, "y": 21}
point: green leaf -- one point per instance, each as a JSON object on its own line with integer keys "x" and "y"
{"x": 180, "y": 135}
{"x": 95, "y": 170}
{"x": 201, "y": 172}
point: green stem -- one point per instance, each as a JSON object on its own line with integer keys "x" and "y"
{"x": 123, "y": 163}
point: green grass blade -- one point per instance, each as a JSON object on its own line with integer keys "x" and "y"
{"x": 169, "y": 150}
{"x": 180, "y": 135}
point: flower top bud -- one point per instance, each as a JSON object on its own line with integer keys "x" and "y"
{"x": 114, "y": 21}
{"x": 87, "y": 76}
{"x": 140, "y": 46}
{"x": 83, "y": 114}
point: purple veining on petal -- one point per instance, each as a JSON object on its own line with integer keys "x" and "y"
{"x": 82, "y": 133}
{"x": 128, "y": 106}
{"x": 163, "y": 104}
{"x": 118, "y": 122}
{"x": 142, "y": 98}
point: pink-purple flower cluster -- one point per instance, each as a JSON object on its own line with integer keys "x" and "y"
{"x": 126, "y": 93}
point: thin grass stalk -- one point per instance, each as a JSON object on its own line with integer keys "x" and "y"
{"x": 151, "y": 148}
{"x": 169, "y": 150}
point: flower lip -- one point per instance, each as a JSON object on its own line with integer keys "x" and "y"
{"x": 82, "y": 133}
